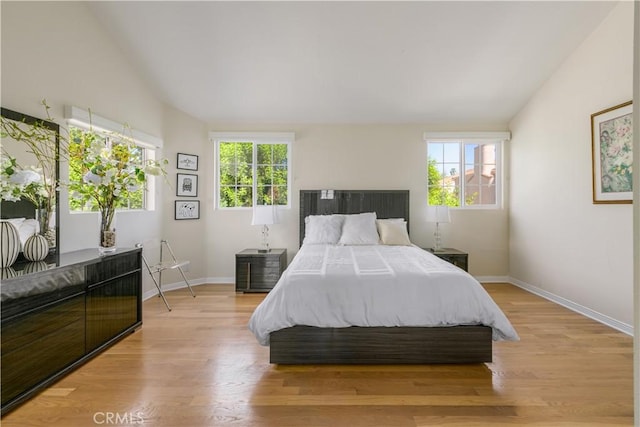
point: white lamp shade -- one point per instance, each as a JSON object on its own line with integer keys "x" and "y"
{"x": 438, "y": 214}
{"x": 264, "y": 215}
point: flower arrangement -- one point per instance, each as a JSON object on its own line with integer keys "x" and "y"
{"x": 18, "y": 182}
{"x": 36, "y": 183}
{"x": 105, "y": 171}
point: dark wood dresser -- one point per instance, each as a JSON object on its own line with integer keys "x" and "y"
{"x": 259, "y": 271}
{"x": 58, "y": 318}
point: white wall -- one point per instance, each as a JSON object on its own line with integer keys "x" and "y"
{"x": 57, "y": 51}
{"x": 188, "y": 238}
{"x": 357, "y": 157}
{"x": 559, "y": 240}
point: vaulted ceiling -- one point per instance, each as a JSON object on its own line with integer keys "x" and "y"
{"x": 349, "y": 62}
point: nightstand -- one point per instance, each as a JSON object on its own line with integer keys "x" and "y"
{"x": 454, "y": 256}
{"x": 259, "y": 271}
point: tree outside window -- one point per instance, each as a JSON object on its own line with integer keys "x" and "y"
{"x": 252, "y": 172}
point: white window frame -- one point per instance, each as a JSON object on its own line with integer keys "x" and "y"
{"x": 463, "y": 138}
{"x": 257, "y": 138}
{"x": 77, "y": 117}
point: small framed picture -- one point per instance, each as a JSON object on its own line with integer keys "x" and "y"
{"x": 187, "y": 185}
{"x": 187, "y": 209}
{"x": 187, "y": 161}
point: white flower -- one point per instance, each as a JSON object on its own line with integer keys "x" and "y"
{"x": 25, "y": 177}
{"x": 8, "y": 195}
{"x": 92, "y": 178}
{"x": 132, "y": 187}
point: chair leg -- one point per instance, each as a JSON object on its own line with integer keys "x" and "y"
{"x": 186, "y": 281}
{"x": 155, "y": 282}
{"x": 175, "y": 260}
{"x": 160, "y": 293}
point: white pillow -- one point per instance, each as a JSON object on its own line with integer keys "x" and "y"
{"x": 322, "y": 229}
{"x": 359, "y": 229}
{"x": 27, "y": 229}
{"x": 393, "y": 232}
{"x": 16, "y": 222}
{"x": 378, "y": 221}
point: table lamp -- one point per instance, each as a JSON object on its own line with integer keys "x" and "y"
{"x": 438, "y": 214}
{"x": 265, "y": 215}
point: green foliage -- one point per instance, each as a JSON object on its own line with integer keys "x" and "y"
{"x": 438, "y": 192}
{"x": 237, "y": 174}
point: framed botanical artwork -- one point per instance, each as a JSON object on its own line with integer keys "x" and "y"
{"x": 187, "y": 161}
{"x": 611, "y": 141}
{"x": 187, "y": 185}
{"x": 187, "y": 209}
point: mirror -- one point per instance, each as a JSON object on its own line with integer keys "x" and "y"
{"x": 33, "y": 145}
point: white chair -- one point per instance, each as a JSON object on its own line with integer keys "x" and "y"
{"x": 163, "y": 265}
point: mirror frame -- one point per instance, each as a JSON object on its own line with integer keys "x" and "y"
{"x": 55, "y": 128}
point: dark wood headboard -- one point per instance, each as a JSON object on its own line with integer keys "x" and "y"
{"x": 20, "y": 209}
{"x": 385, "y": 203}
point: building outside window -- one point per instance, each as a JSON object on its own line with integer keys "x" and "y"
{"x": 464, "y": 169}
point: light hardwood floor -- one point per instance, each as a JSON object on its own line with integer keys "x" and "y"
{"x": 199, "y": 366}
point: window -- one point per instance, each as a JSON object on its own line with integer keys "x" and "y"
{"x": 252, "y": 169}
{"x": 105, "y": 132}
{"x": 464, "y": 170}
{"x": 137, "y": 199}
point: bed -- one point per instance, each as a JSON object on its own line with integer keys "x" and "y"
{"x": 357, "y": 302}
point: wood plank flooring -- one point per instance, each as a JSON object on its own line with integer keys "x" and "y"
{"x": 199, "y": 366}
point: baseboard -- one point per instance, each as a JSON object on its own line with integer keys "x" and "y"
{"x": 194, "y": 282}
{"x": 492, "y": 279}
{"x": 592, "y": 314}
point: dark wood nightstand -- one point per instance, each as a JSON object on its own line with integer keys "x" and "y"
{"x": 454, "y": 256}
{"x": 259, "y": 271}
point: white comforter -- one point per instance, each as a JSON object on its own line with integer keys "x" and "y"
{"x": 341, "y": 286}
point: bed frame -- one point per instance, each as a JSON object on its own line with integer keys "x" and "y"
{"x": 300, "y": 345}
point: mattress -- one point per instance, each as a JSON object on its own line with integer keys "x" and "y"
{"x": 333, "y": 286}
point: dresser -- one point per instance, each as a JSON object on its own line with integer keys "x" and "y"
{"x": 258, "y": 271}
{"x": 55, "y": 318}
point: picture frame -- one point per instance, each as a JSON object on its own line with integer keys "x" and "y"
{"x": 612, "y": 155}
{"x": 187, "y": 185}
{"x": 187, "y": 209}
{"x": 187, "y": 162}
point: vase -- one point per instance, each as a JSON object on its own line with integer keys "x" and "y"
{"x": 9, "y": 244}
{"x": 107, "y": 242}
{"x": 45, "y": 218}
{"x": 36, "y": 248}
